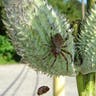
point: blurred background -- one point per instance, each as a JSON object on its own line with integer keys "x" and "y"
{"x": 72, "y": 9}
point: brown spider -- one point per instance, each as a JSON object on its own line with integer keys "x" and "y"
{"x": 57, "y": 43}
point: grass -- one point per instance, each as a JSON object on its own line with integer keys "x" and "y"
{"x": 3, "y": 61}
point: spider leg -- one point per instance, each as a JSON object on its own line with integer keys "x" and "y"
{"x": 46, "y": 45}
{"x": 67, "y": 53}
{"x": 66, "y": 60}
{"x": 46, "y": 56}
{"x": 65, "y": 45}
{"x": 53, "y": 61}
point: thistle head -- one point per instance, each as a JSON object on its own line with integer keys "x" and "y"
{"x": 87, "y": 42}
{"x": 31, "y": 24}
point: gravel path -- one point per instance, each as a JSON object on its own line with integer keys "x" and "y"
{"x": 21, "y": 80}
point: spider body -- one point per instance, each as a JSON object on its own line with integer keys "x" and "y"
{"x": 57, "y": 42}
{"x": 57, "y": 47}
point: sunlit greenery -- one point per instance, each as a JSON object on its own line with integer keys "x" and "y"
{"x": 7, "y": 51}
{"x": 72, "y": 8}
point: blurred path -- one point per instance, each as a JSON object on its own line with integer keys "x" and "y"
{"x": 21, "y": 80}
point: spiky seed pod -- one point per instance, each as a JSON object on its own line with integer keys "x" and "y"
{"x": 87, "y": 42}
{"x": 31, "y": 25}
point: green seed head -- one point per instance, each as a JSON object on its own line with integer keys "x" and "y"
{"x": 87, "y": 42}
{"x": 31, "y": 26}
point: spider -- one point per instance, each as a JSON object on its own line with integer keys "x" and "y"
{"x": 57, "y": 48}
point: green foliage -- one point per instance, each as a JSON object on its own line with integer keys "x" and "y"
{"x": 6, "y": 49}
{"x": 72, "y": 8}
{"x": 2, "y": 27}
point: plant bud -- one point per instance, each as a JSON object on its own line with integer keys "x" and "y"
{"x": 87, "y": 43}
{"x": 31, "y": 25}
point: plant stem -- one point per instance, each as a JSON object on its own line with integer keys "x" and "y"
{"x": 86, "y": 84}
{"x": 59, "y": 83}
{"x": 83, "y": 9}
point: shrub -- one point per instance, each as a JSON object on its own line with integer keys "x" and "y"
{"x": 6, "y": 48}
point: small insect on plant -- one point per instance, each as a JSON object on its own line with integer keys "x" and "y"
{"x": 57, "y": 47}
{"x": 42, "y": 90}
